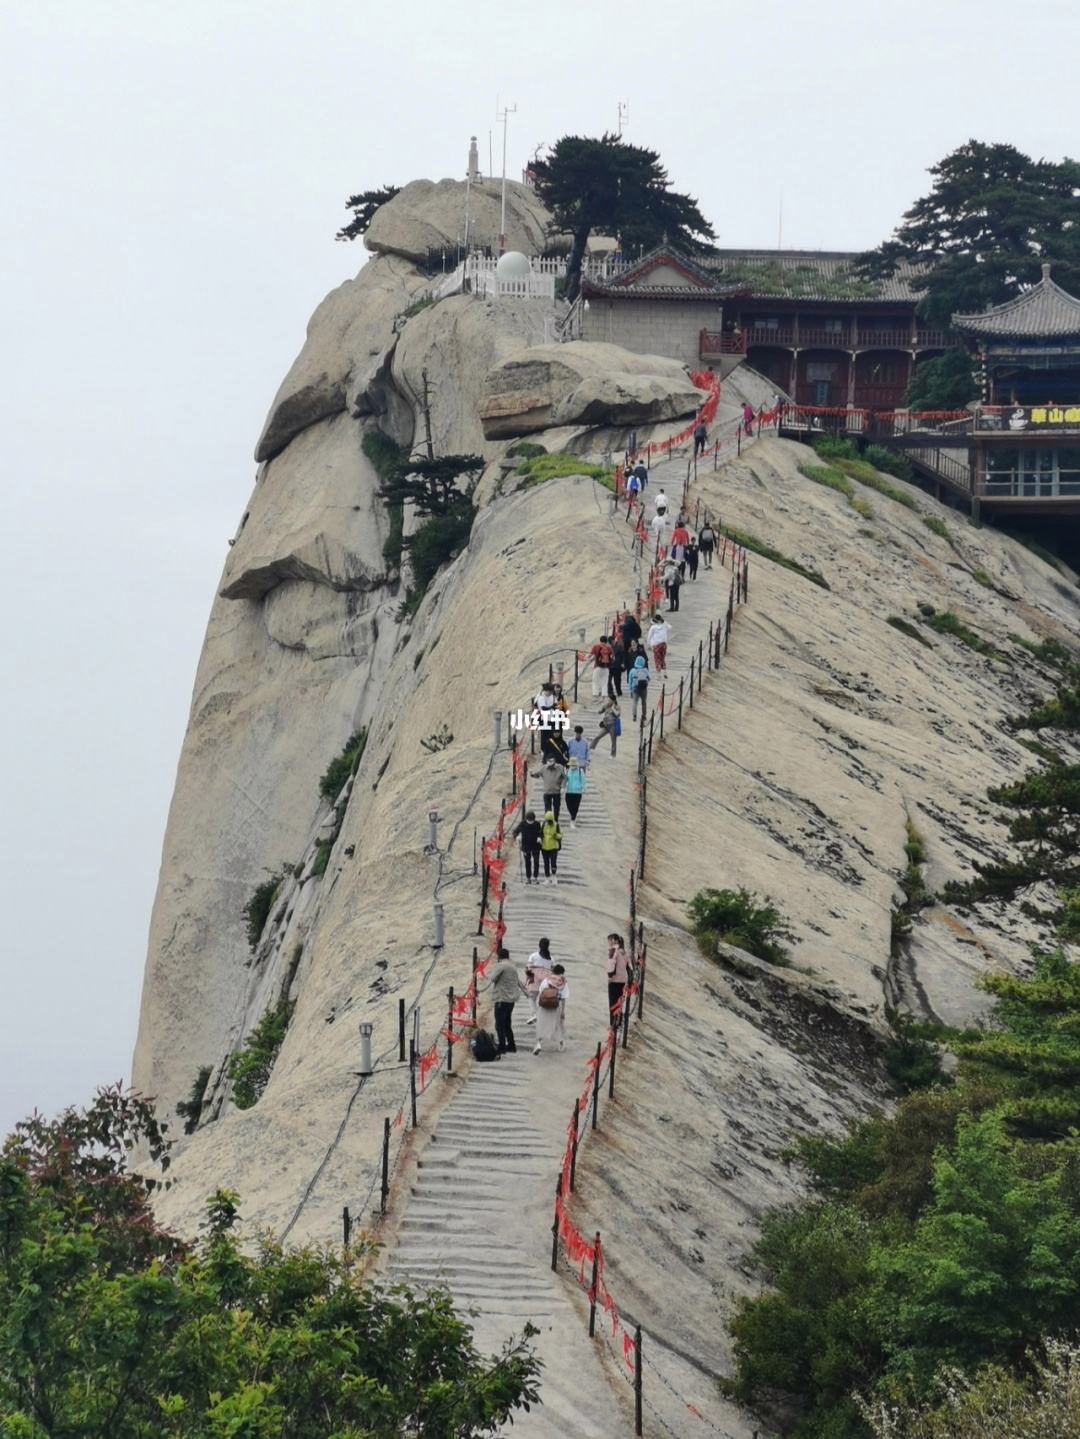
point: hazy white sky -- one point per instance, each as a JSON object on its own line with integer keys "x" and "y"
{"x": 172, "y": 177}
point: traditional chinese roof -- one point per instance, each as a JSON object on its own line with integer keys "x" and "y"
{"x": 1045, "y": 311}
{"x": 810, "y": 275}
{"x": 634, "y": 281}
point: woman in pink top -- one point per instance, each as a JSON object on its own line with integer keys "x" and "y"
{"x": 617, "y": 974}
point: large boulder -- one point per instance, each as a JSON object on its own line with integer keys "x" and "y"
{"x": 316, "y": 514}
{"x": 348, "y": 340}
{"x": 427, "y": 216}
{"x": 583, "y": 382}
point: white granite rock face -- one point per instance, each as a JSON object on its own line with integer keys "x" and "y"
{"x": 427, "y": 216}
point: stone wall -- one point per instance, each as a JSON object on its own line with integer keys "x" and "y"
{"x": 656, "y": 327}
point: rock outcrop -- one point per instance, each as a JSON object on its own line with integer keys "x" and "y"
{"x": 583, "y": 382}
{"x": 427, "y": 216}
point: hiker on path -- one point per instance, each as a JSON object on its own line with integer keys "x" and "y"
{"x": 707, "y": 543}
{"x": 551, "y": 1011}
{"x": 550, "y": 844}
{"x": 600, "y": 654}
{"x": 748, "y": 417}
{"x": 537, "y": 967}
{"x": 692, "y": 558}
{"x": 610, "y": 724}
{"x": 701, "y": 434}
{"x": 553, "y": 746}
{"x": 638, "y": 681}
{"x": 659, "y": 531}
{"x": 575, "y": 789}
{"x": 578, "y": 748}
{"x": 617, "y": 666}
{"x": 629, "y": 628}
{"x": 552, "y": 775}
{"x": 529, "y": 830}
{"x": 505, "y": 984}
{"x": 642, "y": 472}
{"x": 680, "y": 538}
{"x": 659, "y": 635}
{"x": 672, "y": 584}
{"x": 633, "y": 485}
{"x": 618, "y": 972}
{"x": 660, "y": 503}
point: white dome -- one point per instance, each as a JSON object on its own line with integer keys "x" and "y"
{"x": 513, "y": 266}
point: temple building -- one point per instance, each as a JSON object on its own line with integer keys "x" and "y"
{"x": 1026, "y": 432}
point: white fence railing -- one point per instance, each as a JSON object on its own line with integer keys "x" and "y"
{"x": 479, "y": 274}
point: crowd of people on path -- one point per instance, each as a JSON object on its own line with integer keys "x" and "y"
{"x": 545, "y": 985}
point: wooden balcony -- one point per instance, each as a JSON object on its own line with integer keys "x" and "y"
{"x": 817, "y": 337}
{"x": 892, "y": 339}
{"x": 761, "y": 335}
{"x": 931, "y": 340}
{"x": 714, "y": 344}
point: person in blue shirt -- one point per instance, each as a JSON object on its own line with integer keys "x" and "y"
{"x": 639, "y": 687}
{"x": 575, "y": 789}
{"x": 579, "y": 747}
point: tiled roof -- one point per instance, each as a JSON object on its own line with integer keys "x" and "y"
{"x": 628, "y": 280}
{"x": 1044, "y": 311}
{"x": 809, "y": 275}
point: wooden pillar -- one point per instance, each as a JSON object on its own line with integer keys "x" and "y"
{"x": 793, "y": 388}
{"x": 851, "y": 381}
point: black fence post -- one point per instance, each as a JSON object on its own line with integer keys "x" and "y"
{"x": 700, "y": 663}
{"x": 652, "y": 721}
{"x": 693, "y": 659}
{"x": 513, "y": 764}
{"x": 412, "y": 1080}
{"x": 593, "y": 1285}
{"x": 483, "y": 888}
{"x": 401, "y": 1030}
{"x": 663, "y": 693}
{"x": 680, "y": 702}
{"x": 637, "y": 1379}
{"x": 641, "y": 980}
{"x": 710, "y": 644}
{"x": 575, "y": 674}
{"x": 475, "y": 966}
{"x": 555, "y": 1227}
{"x": 385, "y": 1192}
{"x": 746, "y": 581}
{"x": 346, "y": 1225}
{"x": 611, "y": 1067}
{"x": 596, "y": 1087}
{"x": 574, "y": 1144}
{"x": 450, "y": 1030}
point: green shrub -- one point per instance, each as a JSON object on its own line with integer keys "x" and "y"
{"x": 939, "y": 528}
{"x": 911, "y": 1061}
{"x": 981, "y": 578}
{"x": 340, "y": 770}
{"x": 914, "y": 844}
{"x": 556, "y": 467}
{"x": 835, "y": 447}
{"x": 758, "y": 547}
{"x": 735, "y": 917}
{"x": 889, "y": 461}
{"x": 386, "y": 458}
{"x": 861, "y": 507}
{"x": 526, "y": 450}
{"x": 907, "y": 628}
{"x": 257, "y": 910}
{"x": 322, "y": 857}
{"x": 424, "y": 303}
{"x": 250, "y": 1066}
{"x": 190, "y": 1109}
{"x": 946, "y": 623}
{"x": 439, "y": 540}
{"x": 868, "y": 475}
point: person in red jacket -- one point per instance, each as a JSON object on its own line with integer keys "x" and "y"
{"x": 600, "y": 654}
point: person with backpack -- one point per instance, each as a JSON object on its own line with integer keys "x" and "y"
{"x": 633, "y": 486}
{"x": 610, "y": 725}
{"x": 575, "y": 790}
{"x": 538, "y": 966}
{"x": 505, "y": 984}
{"x": 748, "y": 417}
{"x": 629, "y": 628}
{"x": 692, "y": 558}
{"x": 618, "y": 972}
{"x": 551, "y": 997}
{"x": 639, "y": 687}
{"x": 701, "y": 434}
{"x": 552, "y": 776}
{"x": 600, "y": 654}
{"x": 660, "y": 503}
{"x": 707, "y": 543}
{"x": 529, "y": 830}
{"x": 672, "y": 577}
{"x": 659, "y": 635}
{"x": 617, "y": 666}
{"x": 642, "y": 472}
{"x": 550, "y": 844}
{"x": 680, "y": 538}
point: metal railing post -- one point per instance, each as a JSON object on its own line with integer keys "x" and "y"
{"x": 700, "y": 663}
{"x": 574, "y": 1144}
{"x": 450, "y": 1030}
{"x": 555, "y": 1227}
{"x": 594, "y": 1285}
{"x": 693, "y": 659}
{"x": 663, "y": 692}
{"x": 401, "y": 1030}
{"x": 611, "y": 1068}
{"x": 385, "y": 1191}
{"x": 637, "y": 1379}
{"x": 680, "y": 701}
{"x": 412, "y": 1080}
{"x": 641, "y": 980}
{"x": 596, "y": 1087}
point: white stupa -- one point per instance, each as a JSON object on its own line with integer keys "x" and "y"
{"x": 513, "y": 266}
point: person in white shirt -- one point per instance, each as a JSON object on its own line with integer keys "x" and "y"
{"x": 660, "y": 503}
{"x": 660, "y": 529}
{"x": 657, "y": 640}
{"x": 538, "y": 966}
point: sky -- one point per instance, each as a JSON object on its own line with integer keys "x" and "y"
{"x": 173, "y": 176}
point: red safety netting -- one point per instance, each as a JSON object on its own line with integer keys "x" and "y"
{"x": 704, "y": 380}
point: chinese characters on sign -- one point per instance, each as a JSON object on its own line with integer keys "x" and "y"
{"x": 1055, "y": 415}
{"x": 538, "y": 719}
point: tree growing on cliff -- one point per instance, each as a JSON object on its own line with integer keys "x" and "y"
{"x": 110, "y": 1326}
{"x": 432, "y": 487}
{"x": 363, "y": 207}
{"x": 608, "y": 187}
{"x": 992, "y": 215}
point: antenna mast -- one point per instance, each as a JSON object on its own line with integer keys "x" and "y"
{"x": 503, "y": 117}
{"x": 623, "y": 114}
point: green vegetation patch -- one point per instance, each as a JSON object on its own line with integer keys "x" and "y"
{"x": 190, "y": 1109}
{"x": 759, "y": 547}
{"x": 340, "y": 770}
{"x": 735, "y": 917}
{"x": 867, "y": 475}
{"x": 826, "y": 475}
{"x": 386, "y": 458}
{"x": 543, "y": 467}
{"x": 946, "y": 623}
{"x": 891, "y": 461}
{"x": 257, "y": 910}
{"x": 251, "y": 1065}
{"x": 907, "y": 628}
